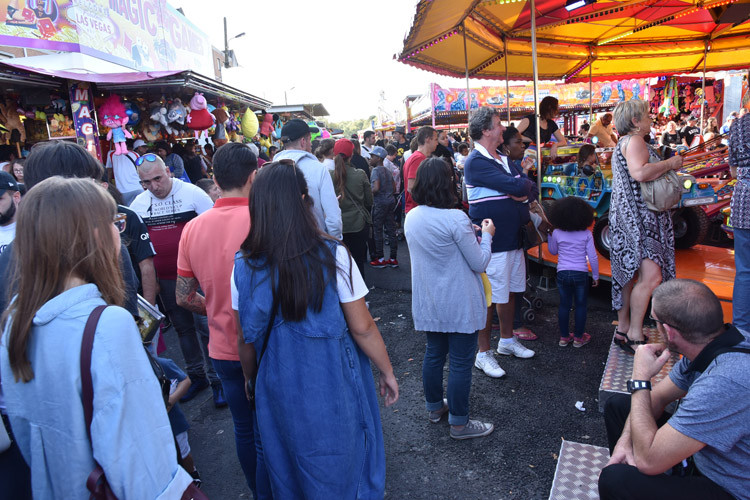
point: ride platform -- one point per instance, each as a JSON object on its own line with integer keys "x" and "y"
{"x": 577, "y": 472}
{"x": 710, "y": 265}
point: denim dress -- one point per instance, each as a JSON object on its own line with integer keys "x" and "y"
{"x": 316, "y": 404}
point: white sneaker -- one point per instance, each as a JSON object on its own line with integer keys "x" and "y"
{"x": 515, "y": 348}
{"x": 488, "y": 364}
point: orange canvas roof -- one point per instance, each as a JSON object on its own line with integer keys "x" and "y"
{"x": 618, "y": 39}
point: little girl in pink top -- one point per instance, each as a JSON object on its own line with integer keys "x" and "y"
{"x": 573, "y": 243}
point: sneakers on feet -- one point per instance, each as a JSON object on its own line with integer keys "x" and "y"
{"x": 435, "y": 416}
{"x": 194, "y": 389}
{"x": 392, "y": 262}
{"x": 379, "y": 263}
{"x": 515, "y": 348}
{"x": 564, "y": 341}
{"x": 488, "y": 364}
{"x": 472, "y": 429}
{"x": 585, "y": 339}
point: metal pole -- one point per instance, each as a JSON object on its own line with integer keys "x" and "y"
{"x": 226, "y": 45}
{"x": 591, "y": 96}
{"x": 432, "y": 103}
{"x": 536, "y": 97}
{"x": 468, "y": 90}
{"x": 703, "y": 84}
{"x": 507, "y": 84}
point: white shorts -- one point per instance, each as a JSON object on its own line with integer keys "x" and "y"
{"x": 182, "y": 442}
{"x": 507, "y": 273}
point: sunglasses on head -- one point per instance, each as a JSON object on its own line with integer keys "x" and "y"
{"x": 146, "y": 157}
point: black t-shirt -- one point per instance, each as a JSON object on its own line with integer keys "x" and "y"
{"x": 671, "y": 140}
{"x": 401, "y": 148}
{"x": 136, "y": 238}
{"x": 689, "y": 133}
{"x": 193, "y": 168}
{"x": 443, "y": 152}
{"x": 530, "y": 131}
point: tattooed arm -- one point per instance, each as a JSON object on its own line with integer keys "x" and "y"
{"x": 188, "y": 297}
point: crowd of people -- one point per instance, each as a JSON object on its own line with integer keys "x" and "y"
{"x": 259, "y": 260}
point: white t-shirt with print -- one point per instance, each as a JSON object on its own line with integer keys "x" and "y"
{"x": 126, "y": 173}
{"x": 343, "y": 263}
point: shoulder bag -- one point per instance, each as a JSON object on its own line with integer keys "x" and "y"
{"x": 97, "y": 482}
{"x": 269, "y": 327}
{"x": 663, "y": 193}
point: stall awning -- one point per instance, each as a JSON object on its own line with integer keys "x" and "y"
{"x": 308, "y": 110}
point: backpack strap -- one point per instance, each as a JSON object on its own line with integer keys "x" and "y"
{"x": 87, "y": 387}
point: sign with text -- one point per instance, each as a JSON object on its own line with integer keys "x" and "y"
{"x": 82, "y": 105}
{"x": 145, "y": 35}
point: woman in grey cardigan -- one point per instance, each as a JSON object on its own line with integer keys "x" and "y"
{"x": 448, "y": 300}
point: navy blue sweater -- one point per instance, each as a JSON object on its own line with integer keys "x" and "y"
{"x": 488, "y": 185}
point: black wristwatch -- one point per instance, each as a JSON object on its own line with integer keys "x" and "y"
{"x": 637, "y": 385}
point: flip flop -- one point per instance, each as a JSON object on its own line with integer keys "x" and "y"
{"x": 524, "y": 334}
{"x": 625, "y": 343}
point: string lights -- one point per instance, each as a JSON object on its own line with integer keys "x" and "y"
{"x": 427, "y": 45}
{"x": 576, "y": 71}
{"x": 500, "y": 2}
{"x": 486, "y": 64}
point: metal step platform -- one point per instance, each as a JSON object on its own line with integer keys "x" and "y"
{"x": 619, "y": 368}
{"x": 577, "y": 471}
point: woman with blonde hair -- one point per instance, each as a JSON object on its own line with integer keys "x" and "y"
{"x": 642, "y": 253}
{"x": 67, "y": 264}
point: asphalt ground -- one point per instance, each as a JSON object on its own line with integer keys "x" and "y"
{"x": 532, "y": 407}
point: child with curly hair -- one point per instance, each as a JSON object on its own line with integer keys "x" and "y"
{"x": 573, "y": 243}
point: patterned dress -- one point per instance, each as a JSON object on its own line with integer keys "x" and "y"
{"x": 636, "y": 233}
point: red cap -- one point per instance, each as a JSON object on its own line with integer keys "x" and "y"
{"x": 344, "y": 147}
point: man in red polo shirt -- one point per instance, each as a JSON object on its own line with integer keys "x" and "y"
{"x": 427, "y": 141}
{"x": 205, "y": 260}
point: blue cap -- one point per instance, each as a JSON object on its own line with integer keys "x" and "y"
{"x": 379, "y": 151}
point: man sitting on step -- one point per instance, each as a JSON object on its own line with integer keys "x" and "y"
{"x": 702, "y": 450}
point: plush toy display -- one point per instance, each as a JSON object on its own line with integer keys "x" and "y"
{"x": 159, "y": 114}
{"x": 175, "y": 116}
{"x": 133, "y": 113}
{"x": 199, "y": 119}
{"x": 114, "y": 117}
{"x": 249, "y": 124}
{"x": 266, "y": 125}
{"x": 220, "y": 134}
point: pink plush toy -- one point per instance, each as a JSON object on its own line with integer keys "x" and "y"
{"x": 199, "y": 119}
{"x": 114, "y": 117}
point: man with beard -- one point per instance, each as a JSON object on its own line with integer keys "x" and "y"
{"x": 711, "y": 425}
{"x": 8, "y": 204}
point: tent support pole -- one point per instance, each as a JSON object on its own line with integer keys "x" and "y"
{"x": 468, "y": 90}
{"x": 507, "y": 84}
{"x": 591, "y": 95}
{"x": 703, "y": 83}
{"x": 536, "y": 97}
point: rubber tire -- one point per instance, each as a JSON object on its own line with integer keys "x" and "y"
{"x": 528, "y": 315}
{"x": 537, "y": 303}
{"x": 601, "y": 236}
{"x": 691, "y": 226}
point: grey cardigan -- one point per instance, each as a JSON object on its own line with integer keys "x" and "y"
{"x": 446, "y": 262}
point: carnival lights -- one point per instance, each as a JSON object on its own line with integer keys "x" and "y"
{"x": 427, "y": 45}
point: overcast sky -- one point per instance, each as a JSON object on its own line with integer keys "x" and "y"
{"x": 337, "y": 52}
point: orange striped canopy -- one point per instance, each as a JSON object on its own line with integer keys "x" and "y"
{"x": 617, "y": 38}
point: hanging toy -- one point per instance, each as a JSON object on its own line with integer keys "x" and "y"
{"x": 220, "y": 134}
{"x": 277, "y": 125}
{"x": 159, "y": 115}
{"x": 266, "y": 125}
{"x": 133, "y": 113}
{"x": 249, "y": 124}
{"x": 114, "y": 117}
{"x": 199, "y": 119}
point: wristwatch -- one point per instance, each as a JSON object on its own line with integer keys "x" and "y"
{"x": 637, "y": 385}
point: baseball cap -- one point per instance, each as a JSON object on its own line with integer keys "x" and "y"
{"x": 7, "y": 182}
{"x": 138, "y": 143}
{"x": 344, "y": 147}
{"x": 379, "y": 151}
{"x": 296, "y": 128}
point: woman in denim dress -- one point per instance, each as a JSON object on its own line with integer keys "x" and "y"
{"x": 316, "y": 405}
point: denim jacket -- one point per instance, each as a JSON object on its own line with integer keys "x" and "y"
{"x": 316, "y": 404}
{"x": 130, "y": 431}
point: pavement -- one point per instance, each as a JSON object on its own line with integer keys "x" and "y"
{"x": 532, "y": 407}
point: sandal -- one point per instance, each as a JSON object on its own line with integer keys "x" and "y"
{"x": 625, "y": 343}
{"x": 524, "y": 334}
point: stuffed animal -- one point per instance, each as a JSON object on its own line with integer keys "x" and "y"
{"x": 176, "y": 116}
{"x": 114, "y": 117}
{"x": 159, "y": 114}
{"x": 266, "y": 125}
{"x": 10, "y": 118}
{"x": 133, "y": 113}
{"x": 221, "y": 116}
{"x": 199, "y": 119}
{"x": 249, "y": 124}
{"x": 151, "y": 131}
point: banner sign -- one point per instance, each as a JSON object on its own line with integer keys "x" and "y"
{"x": 145, "y": 35}
{"x": 522, "y": 96}
{"x": 82, "y": 105}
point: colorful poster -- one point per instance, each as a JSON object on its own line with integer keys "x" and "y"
{"x": 522, "y": 96}
{"x": 145, "y": 35}
{"x": 84, "y": 117}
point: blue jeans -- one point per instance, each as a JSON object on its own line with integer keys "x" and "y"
{"x": 462, "y": 347}
{"x": 741, "y": 294}
{"x": 233, "y": 382}
{"x": 573, "y": 285}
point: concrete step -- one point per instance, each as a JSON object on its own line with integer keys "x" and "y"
{"x": 577, "y": 472}
{"x": 619, "y": 368}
